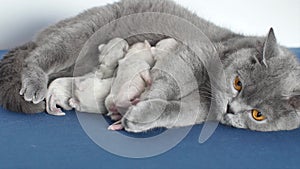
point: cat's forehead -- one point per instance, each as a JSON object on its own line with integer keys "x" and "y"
{"x": 267, "y": 88}
{"x": 265, "y": 81}
{"x": 257, "y": 82}
{"x": 261, "y": 93}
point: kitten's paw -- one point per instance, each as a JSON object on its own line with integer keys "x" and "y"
{"x": 34, "y": 85}
{"x": 135, "y": 101}
{"x": 113, "y": 108}
{"x": 116, "y": 126}
{"x": 51, "y": 106}
{"x": 146, "y": 77}
{"x": 57, "y": 112}
{"x": 114, "y": 116}
{"x": 74, "y": 103}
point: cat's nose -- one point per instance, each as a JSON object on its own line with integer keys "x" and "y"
{"x": 229, "y": 109}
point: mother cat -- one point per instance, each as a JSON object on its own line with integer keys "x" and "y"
{"x": 263, "y": 91}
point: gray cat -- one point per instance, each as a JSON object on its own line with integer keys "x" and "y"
{"x": 262, "y": 90}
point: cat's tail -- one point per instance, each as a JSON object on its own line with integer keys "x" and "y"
{"x": 10, "y": 81}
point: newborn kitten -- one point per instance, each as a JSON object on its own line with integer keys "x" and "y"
{"x": 60, "y": 90}
{"x": 59, "y": 93}
{"x": 88, "y": 95}
{"x": 110, "y": 54}
{"x": 132, "y": 78}
{"x": 163, "y": 48}
{"x": 132, "y": 82}
{"x": 135, "y": 69}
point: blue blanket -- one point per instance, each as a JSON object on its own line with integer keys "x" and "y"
{"x": 44, "y": 141}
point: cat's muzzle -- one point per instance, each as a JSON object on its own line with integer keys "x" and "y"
{"x": 229, "y": 110}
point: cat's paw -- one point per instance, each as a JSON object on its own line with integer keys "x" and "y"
{"x": 144, "y": 116}
{"x": 34, "y": 85}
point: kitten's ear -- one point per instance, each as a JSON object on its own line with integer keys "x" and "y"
{"x": 100, "y": 48}
{"x": 153, "y": 50}
{"x": 126, "y": 48}
{"x": 147, "y": 44}
{"x": 270, "y": 48}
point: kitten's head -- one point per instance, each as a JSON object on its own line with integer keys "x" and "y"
{"x": 263, "y": 82}
{"x": 137, "y": 47}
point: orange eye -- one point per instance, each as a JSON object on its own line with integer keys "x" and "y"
{"x": 257, "y": 115}
{"x": 237, "y": 84}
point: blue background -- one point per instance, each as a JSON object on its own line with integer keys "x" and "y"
{"x": 44, "y": 141}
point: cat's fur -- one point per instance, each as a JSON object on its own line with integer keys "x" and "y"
{"x": 269, "y": 72}
{"x": 11, "y": 67}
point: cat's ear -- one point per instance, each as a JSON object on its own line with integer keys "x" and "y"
{"x": 270, "y": 48}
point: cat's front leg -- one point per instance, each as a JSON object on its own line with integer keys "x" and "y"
{"x": 155, "y": 113}
{"x": 34, "y": 84}
{"x": 43, "y": 61}
{"x": 145, "y": 116}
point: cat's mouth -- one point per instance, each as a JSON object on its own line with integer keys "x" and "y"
{"x": 225, "y": 118}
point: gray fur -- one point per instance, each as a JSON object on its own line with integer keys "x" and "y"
{"x": 268, "y": 71}
{"x": 10, "y": 81}
{"x": 58, "y": 46}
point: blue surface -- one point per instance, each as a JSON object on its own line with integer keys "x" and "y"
{"x": 44, "y": 141}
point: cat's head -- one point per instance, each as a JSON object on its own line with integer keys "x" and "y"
{"x": 263, "y": 81}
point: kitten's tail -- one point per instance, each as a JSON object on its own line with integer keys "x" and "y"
{"x": 10, "y": 81}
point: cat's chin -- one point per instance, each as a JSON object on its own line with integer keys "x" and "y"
{"x": 232, "y": 119}
{"x": 225, "y": 120}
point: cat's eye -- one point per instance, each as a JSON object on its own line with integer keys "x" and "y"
{"x": 237, "y": 84}
{"x": 257, "y": 115}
